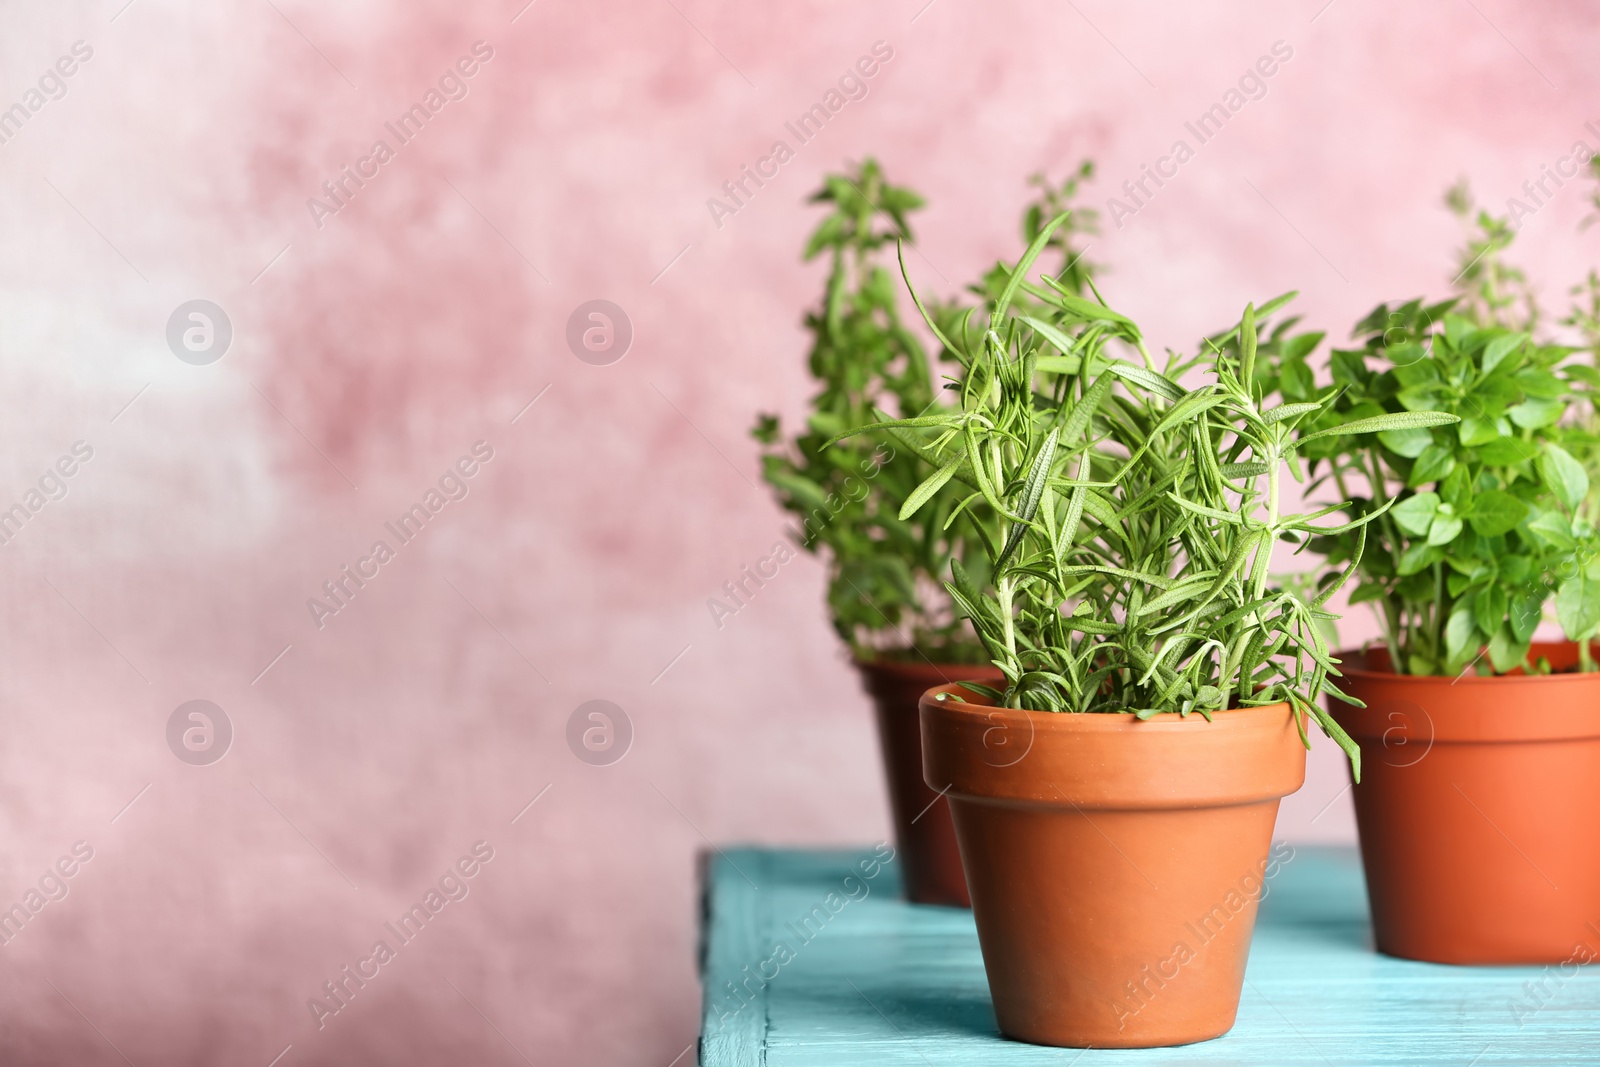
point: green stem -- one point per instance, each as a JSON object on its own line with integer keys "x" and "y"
{"x": 1393, "y": 617}
{"x": 1003, "y": 589}
{"x": 1439, "y": 613}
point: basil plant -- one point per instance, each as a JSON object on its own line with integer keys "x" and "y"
{"x": 1477, "y": 528}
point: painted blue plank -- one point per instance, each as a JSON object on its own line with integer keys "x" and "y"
{"x": 862, "y": 977}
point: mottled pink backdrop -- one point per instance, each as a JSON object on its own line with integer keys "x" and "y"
{"x": 372, "y": 352}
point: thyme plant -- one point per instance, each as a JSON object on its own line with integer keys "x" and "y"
{"x": 1134, "y": 517}
{"x": 886, "y": 565}
{"x": 883, "y": 595}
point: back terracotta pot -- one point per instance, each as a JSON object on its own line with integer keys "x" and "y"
{"x": 1115, "y": 865}
{"x": 929, "y": 860}
{"x": 1479, "y": 810}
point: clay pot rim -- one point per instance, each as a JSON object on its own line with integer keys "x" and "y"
{"x": 1349, "y": 659}
{"x": 1105, "y": 761}
{"x": 1104, "y": 721}
{"x": 1496, "y": 710}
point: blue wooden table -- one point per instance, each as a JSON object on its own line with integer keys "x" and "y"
{"x": 807, "y": 961}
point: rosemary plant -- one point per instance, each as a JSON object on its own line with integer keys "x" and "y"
{"x": 1072, "y": 270}
{"x": 1483, "y": 522}
{"x": 1134, "y": 517}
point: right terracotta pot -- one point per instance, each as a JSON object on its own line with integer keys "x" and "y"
{"x": 1478, "y": 809}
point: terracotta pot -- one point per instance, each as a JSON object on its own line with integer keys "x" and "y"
{"x": 930, "y": 863}
{"x": 1479, "y": 809}
{"x": 1115, "y": 865}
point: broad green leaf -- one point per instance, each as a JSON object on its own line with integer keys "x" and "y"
{"x": 1507, "y": 452}
{"x": 1458, "y": 328}
{"x": 1579, "y": 373}
{"x": 1564, "y": 475}
{"x": 1506, "y": 653}
{"x": 1525, "y": 611}
{"x": 1415, "y": 513}
{"x": 1460, "y": 633}
{"x": 1534, "y": 413}
{"x": 1489, "y": 608}
{"x": 1536, "y": 381}
{"x": 805, "y": 492}
{"x": 1499, "y": 348}
{"x": 1296, "y": 380}
{"x": 1434, "y": 463}
{"x": 1300, "y": 345}
{"x": 1419, "y": 397}
{"x": 1456, "y": 489}
{"x": 1553, "y": 528}
{"x": 1365, "y": 592}
{"x": 1475, "y": 431}
{"x": 1578, "y": 606}
{"x": 1406, "y": 353}
{"x": 1444, "y": 529}
{"x": 1418, "y": 557}
{"x": 1496, "y": 512}
{"x": 1408, "y": 443}
{"x": 1348, "y": 367}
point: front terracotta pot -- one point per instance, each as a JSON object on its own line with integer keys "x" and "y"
{"x": 930, "y": 863}
{"x": 1115, "y": 865}
{"x": 1479, "y": 809}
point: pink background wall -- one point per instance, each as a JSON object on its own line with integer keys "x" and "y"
{"x": 424, "y": 316}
